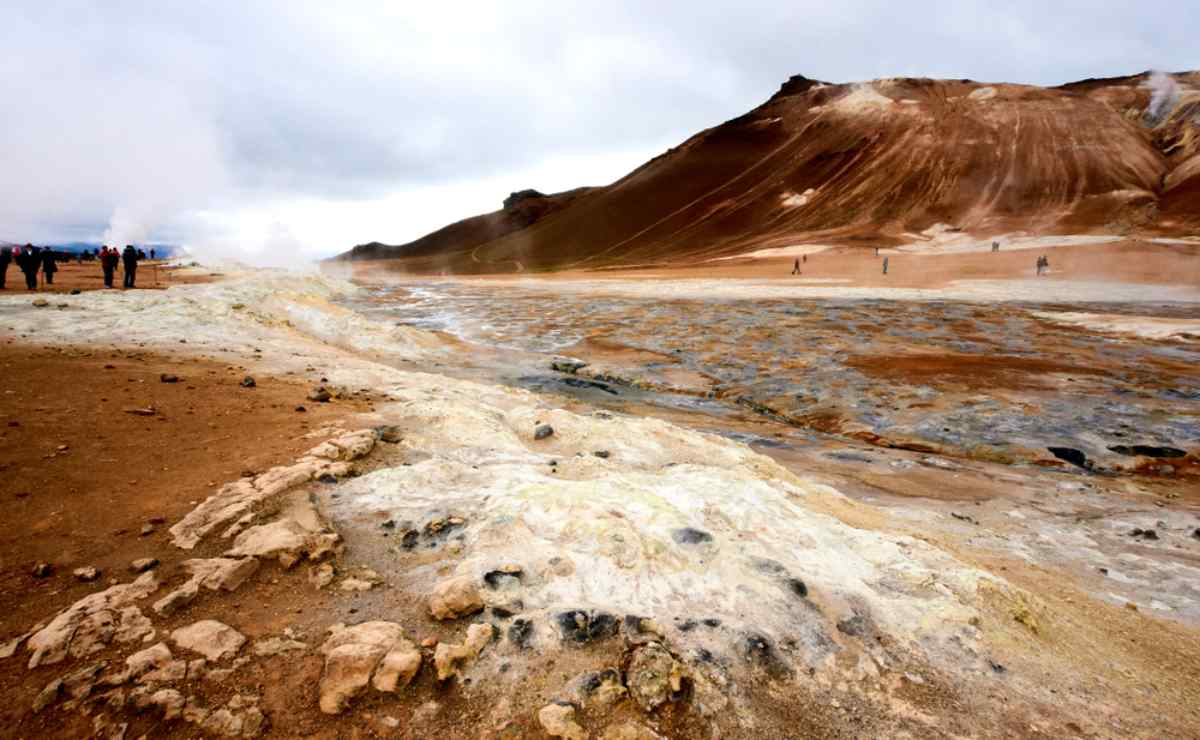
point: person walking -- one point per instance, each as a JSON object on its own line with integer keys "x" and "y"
{"x": 49, "y": 265}
{"x": 885, "y": 265}
{"x": 29, "y": 261}
{"x": 108, "y": 263}
{"x": 151, "y": 254}
{"x": 130, "y": 259}
{"x": 796, "y": 267}
{"x": 5, "y": 261}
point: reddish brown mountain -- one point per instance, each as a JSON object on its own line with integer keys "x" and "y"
{"x": 864, "y": 163}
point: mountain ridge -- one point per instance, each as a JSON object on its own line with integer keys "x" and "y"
{"x": 874, "y": 162}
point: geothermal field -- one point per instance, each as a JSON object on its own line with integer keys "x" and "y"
{"x": 723, "y": 474}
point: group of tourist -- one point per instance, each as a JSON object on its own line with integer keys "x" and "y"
{"x": 31, "y": 260}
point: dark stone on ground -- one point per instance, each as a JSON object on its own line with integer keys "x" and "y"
{"x": 320, "y": 395}
{"x": 1148, "y": 451}
{"x": 248, "y": 382}
{"x": 43, "y": 570}
{"x": 798, "y": 587}
{"x": 690, "y": 536}
{"x": 581, "y": 627}
{"x": 760, "y": 651}
{"x": 1071, "y": 455}
{"x": 389, "y": 433}
{"x": 519, "y": 632}
{"x": 327, "y": 478}
{"x": 569, "y": 367}
{"x": 496, "y": 578}
{"x": 168, "y": 378}
{"x": 602, "y": 454}
{"x": 855, "y": 626}
{"x": 1145, "y": 534}
{"x": 542, "y": 431}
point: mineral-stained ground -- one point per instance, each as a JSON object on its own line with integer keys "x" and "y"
{"x": 281, "y": 505}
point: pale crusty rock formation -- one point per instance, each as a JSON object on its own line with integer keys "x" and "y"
{"x": 212, "y": 639}
{"x": 90, "y": 623}
{"x": 454, "y": 598}
{"x": 450, "y": 659}
{"x": 236, "y": 499}
{"x": 371, "y": 653}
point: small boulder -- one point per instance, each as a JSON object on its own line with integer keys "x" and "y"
{"x": 40, "y": 302}
{"x": 168, "y": 378}
{"x": 212, "y": 639}
{"x": 43, "y": 570}
{"x": 542, "y": 431}
{"x": 248, "y": 382}
{"x": 653, "y": 676}
{"x": 141, "y": 565}
{"x": 450, "y": 659}
{"x": 456, "y": 597}
{"x": 87, "y": 573}
{"x": 320, "y": 394}
{"x": 558, "y": 720}
{"x": 390, "y": 433}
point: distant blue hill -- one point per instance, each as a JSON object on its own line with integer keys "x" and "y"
{"x": 161, "y": 250}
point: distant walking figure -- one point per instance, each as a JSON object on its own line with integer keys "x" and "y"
{"x": 885, "y": 265}
{"x": 5, "y": 261}
{"x": 130, "y": 258}
{"x": 876, "y": 251}
{"x": 29, "y": 261}
{"x": 804, "y": 258}
{"x": 49, "y": 265}
{"x": 108, "y": 263}
{"x": 151, "y": 254}
{"x": 796, "y": 267}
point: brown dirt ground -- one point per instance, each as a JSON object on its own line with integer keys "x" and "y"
{"x": 86, "y": 505}
{"x": 88, "y": 276}
{"x": 1129, "y": 261}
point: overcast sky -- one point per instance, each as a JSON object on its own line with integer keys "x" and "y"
{"x": 290, "y": 130}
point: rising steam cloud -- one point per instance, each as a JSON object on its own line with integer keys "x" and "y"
{"x": 1164, "y": 94}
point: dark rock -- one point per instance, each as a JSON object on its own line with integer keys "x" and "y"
{"x": 1071, "y": 455}
{"x": 389, "y": 524}
{"x": 688, "y": 625}
{"x": 963, "y": 517}
{"x": 798, "y": 587}
{"x": 168, "y": 378}
{"x": 248, "y": 382}
{"x": 711, "y": 622}
{"x": 760, "y": 651}
{"x": 75, "y": 291}
{"x": 327, "y": 479}
{"x": 855, "y": 626}
{"x": 602, "y": 454}
{"x": 1145, "y": 534}
{"x": 1148, "y": 451}
{"x": 690, "y": 536}
{"x": 542, "y": 431}
{"x": 389, "y": 433}
{"x": 320, "y": 395}
{"x": 581, "y": 627}
{"x": 569, "y": 367}
{"x": 300, "y": 409}
{"x": 1196, "y": 533}
{"x": 511, "y": 609}
{"x": 520, "y": 632}
{"x": 520, "y": 195}
{"x": 43, "y": 570}
{"x": 996, "y": 667}
{"x": 497, "y": 578}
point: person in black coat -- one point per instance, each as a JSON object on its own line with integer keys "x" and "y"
{"x": 29, "y": 261}
{"x": 49, "y": 265}
{"x": 130, "y": 258}
{"x": 5, "y": 261}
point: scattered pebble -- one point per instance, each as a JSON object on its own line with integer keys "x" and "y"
{"x": 542, "y": 431}
{"x": 248, "y": 382}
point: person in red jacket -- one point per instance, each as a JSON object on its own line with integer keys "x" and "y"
{"x": 108, "y": 263}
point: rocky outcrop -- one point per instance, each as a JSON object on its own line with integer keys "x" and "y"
{"x": 450, "y": 659}
{"x": 235, "y": 500}
{"x": 212, "y": 639}
{"x": 454, "y": 598}
{"x": 371, "y": 653}
{"x": 91, "y": 623}
{"x": 558, "y": 720}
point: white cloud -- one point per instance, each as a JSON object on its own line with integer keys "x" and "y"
{"x": 279, "y": 129}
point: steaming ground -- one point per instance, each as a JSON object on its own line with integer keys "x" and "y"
{"x": 628, "y": 572}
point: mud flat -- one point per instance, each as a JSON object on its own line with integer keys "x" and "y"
{"x": 445, "y": 555}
